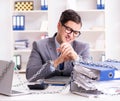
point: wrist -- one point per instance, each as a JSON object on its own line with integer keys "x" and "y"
{"x": 56, "y": 62}
{"x": 77, "y": 60}
{"x": 51, "y": 63}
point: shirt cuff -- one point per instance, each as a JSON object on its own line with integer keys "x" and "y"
{"x": 78, "y": 60}
{"x": 52, "y": 68}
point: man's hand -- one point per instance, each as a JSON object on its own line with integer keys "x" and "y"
{"x": 68, "y": 50}
{"x": 66, "y": 53}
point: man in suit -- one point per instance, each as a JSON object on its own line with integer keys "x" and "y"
{"x": 57, "y": 55}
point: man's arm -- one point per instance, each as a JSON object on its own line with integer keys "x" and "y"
{"x": 35, "y": 65}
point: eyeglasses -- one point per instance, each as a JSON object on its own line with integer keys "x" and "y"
{"x": 70, "y": 30}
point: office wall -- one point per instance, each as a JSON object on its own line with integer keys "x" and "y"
{"x": 54, "y": 14}
{"x": 5, "y": 35}
{"x": 113, "y": 29}
{"x": 112, "y": 17}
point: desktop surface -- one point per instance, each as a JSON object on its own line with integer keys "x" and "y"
{"x": 57, "y": 97}
{"x": 55, "y": 93}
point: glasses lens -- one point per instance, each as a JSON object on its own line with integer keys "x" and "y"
{"x": 76, "y": 33}
{"x": 70, "y": 30}
{"x": 67, "y": 29}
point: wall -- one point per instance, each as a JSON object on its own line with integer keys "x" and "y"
{"x": 5, "y": 34}
{"x": 55, "y": 9}
{"x": 112, "y": 24}
{"x": 113, "y": 29}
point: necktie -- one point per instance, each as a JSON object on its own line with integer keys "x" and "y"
{"x": 61, "y": 65}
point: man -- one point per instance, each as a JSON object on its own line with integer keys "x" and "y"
{"x": 56, "y": 56}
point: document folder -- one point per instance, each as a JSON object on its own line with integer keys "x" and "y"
{"x": 103, "y": 71}
{"x": 86, "y": 77}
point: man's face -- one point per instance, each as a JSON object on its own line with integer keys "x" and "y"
{"x": 68, "y": 31}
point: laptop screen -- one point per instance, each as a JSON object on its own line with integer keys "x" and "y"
{"x": 6, "y": 76}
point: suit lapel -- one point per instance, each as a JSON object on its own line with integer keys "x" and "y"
{"x": 74, "y": 45}
{"x": 52, "y": 48}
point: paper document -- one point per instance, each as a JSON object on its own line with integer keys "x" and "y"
{"x": 58, "y": 80}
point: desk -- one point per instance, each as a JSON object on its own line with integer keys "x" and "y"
{"x": 65, "y": 95}
{"x": 56, "y": 97}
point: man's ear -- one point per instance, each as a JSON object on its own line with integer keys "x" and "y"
{"x": 59, "y": 25}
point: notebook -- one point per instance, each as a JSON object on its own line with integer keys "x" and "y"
{"x": 6, "y": 79}
{"x": 63, "y": 80}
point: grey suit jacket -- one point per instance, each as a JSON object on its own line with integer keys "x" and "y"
{"x": 45, "y": 50}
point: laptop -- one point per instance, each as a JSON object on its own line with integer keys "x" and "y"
{"x": 6, "y": 79}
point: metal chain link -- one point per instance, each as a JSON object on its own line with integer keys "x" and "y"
{"x": 99, "y": 64}
{"x": 23, "y": 83}
{"x": 113, "y": 60}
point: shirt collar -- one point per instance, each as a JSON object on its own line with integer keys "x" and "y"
{"x": 56, "y": 43}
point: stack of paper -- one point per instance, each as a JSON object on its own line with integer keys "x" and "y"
{"x": 96, "y": 79}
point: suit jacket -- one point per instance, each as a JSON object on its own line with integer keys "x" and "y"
{"x": 45, "y": 50}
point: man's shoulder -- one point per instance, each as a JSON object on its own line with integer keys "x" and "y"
{"x": 44, "y": 41}
{"x": 80, "y": 43}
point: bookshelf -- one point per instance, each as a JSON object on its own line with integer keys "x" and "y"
{"x": 93, "y": 29}
{"x": 35, "y": 27}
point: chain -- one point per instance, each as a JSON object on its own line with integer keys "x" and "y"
{"x": 53, "y": 88}
{"x": 23, "y": 83}
{"x": 115, "y": 61}
{"x": 99, "y": 64}
{"x": 35, "y": 75}
{"x": 27, "y": 81}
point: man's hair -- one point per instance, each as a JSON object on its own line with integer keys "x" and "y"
{"x": 68, "y": 15}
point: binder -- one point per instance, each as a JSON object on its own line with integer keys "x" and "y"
{"x": 18, "y": 22}
{"x": 44, "y": 5}
{"x": 22, "y": 22}
{"x": 82, "y": 82}
{"x": 100, "y": 4}
{"x": 14, "y": 22}
{"x": 17, "y": 61}
{"x": 116, "y": 65}
{"x": 103, "y": 70}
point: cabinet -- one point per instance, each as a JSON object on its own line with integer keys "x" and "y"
{"x": 93, "y": 28}
{"x": 35, "y": 27}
